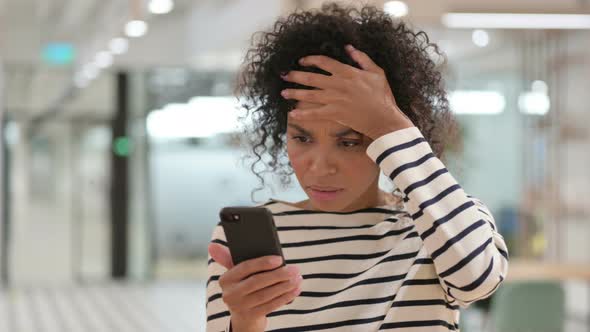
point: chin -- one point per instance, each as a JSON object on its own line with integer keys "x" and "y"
{"x": 336, "y": 205}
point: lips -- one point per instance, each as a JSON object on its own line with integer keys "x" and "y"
{"x": 318, "y": 193}
{"x": 325, "y": 189}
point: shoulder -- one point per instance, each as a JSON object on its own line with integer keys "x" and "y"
{"x": 274, "y": 206}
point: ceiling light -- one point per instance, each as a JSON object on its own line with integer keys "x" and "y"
{"x": 480, "y": 38}
{"x": 516, "y": 21}
{"x": 90, "y": 71}
{"x": 160, "y": 6}
{"x": 118, "y": 45}
{"x": 80, "y": 80}
{"x": 103, "y": 59}
{"x": 396, "y": 8}
{"x": 136, "y": 28}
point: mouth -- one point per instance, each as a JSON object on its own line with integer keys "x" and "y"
{"x": 324, "y": 193}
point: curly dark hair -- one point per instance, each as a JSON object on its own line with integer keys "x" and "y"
{"x": 404, "y": 55}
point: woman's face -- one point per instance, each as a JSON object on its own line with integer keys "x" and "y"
{"x": 327, "y": 155}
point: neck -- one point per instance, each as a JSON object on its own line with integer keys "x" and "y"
{"x": 375, "y": 198}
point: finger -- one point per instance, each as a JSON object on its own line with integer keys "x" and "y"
{"x": 221, "y": 255}
{"x": 251, "y": 266}
{"x": 328, "y": 64}
{"x": 269, "y": 278}
{"x": 276, "y": 303}
{"x": 313, "y": 96}
{"x": 269, "y": 293}
{"x": 363, "y": 59}
{"x": 309, "y": 79}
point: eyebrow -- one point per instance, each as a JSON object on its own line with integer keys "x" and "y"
{"x": 340, "y": 133}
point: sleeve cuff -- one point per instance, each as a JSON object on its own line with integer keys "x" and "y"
{"x": 404, "y": 151}
{"x": 381, "y": 144}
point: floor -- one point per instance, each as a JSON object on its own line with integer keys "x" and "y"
{"x": 171, "y": 307}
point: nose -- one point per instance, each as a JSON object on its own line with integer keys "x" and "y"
{"x": 321, "y": 164}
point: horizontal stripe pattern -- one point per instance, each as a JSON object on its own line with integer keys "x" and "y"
{"x": 457, "y": 229}
{"x": 376, "y": 269}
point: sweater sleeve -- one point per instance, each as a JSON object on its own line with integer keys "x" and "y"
{"x": 458, "y": 231}
{"x": 218, "y": 317}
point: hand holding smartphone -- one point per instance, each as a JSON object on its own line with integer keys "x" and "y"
{"x": 253, "y": 286}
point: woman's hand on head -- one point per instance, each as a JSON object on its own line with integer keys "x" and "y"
{"x": 357, "y": 98}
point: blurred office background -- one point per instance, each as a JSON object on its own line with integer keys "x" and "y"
{"x": 119, "y": 149}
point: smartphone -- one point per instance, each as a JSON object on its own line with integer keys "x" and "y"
{"x": 250, "y": 232}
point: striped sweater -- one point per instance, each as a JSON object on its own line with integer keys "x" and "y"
{"x": 409, "y": 267}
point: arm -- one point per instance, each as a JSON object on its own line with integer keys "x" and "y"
{"x": 218, "y": 317}
{"x": 459, "y": 232}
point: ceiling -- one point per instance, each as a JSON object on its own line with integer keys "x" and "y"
{"x": 195, "y": 33}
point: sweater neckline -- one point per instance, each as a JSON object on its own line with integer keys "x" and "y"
{"x": 390, "y": 207}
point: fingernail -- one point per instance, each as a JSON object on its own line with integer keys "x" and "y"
{"x": 302, "y": 61}
{"x": 276, "y": 260}
{"x": 294, "y": 114}
{"x": 350, "y": 47}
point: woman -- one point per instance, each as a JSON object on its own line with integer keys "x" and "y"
{"x": 347, "y": 94}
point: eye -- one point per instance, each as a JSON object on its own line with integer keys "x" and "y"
{"x": 301, "y": 139}
{"x": 349, "y": 144}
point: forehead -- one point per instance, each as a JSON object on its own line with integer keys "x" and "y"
{"x": 315, "y": 125}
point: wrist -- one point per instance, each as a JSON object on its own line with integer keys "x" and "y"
{"x": 389, "y": 127}
{"x": 245, "y": 325}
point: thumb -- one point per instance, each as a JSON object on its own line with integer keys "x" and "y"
{"x": 221, "y": 255}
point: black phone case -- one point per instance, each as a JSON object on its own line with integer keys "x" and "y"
{"x": 253, "y": 235}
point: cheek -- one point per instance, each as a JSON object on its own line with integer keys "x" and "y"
{"x": 362, "y": 167}
{"x": 296, "y": 158}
